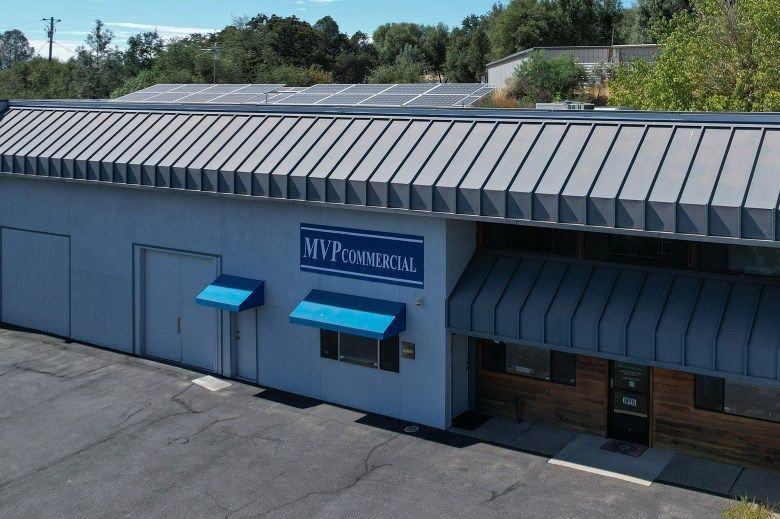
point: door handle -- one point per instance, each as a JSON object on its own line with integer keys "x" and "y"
{"x": 178, "y": 325}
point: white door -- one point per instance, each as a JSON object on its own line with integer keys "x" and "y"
{"x": 245, "y": 345}
{"x": 36, "y": 281}
{"x": 174, "y": 327}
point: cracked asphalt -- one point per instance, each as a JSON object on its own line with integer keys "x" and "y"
{"x": 86, "y": 432}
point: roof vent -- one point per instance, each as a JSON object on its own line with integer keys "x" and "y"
{"x": 565, "y": 105}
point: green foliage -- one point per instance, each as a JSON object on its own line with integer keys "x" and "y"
{"x": 723, "y": 56}
{"x": 36, "y": 79}
{"x": 14, "y": 47}
{"x": 650, "y": 14}
{"x": 542, "y": 80}
{"x": 468, "y": 51}
{"x": 747, "y": 509}
{"x": 404, "y": 70}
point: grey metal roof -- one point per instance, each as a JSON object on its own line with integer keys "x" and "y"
{"x": 704, "y": 176}
{"x": 723, "y": 326}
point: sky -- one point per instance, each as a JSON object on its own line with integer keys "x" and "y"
{"x": 174, "y": 18}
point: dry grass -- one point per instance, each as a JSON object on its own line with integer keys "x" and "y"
{"x": 501, "y": 99}
{"x": 747, "y": 509}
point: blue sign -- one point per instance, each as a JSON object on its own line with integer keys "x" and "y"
{"x": 373, "y": 256}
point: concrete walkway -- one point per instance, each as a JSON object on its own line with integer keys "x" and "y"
{"x": 582, "y": 452}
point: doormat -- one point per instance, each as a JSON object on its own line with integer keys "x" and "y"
{"x": 621, "y": 447}
{"x": 470, "y": 420}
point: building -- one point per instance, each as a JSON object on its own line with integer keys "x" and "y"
{"x": 500, "y": 71}
{"x": 615, "y": 273}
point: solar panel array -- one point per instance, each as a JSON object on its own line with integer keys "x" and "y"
{"x": 417, "y": 94}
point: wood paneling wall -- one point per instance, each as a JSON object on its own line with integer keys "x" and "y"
{"x": 582, "y": 407}
{"x": 678, "y": 425}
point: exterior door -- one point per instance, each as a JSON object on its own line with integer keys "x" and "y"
{"x": 460, "y": 375}
{"x": 629, "y": 402}
{"x": 36, "y": 281}
{"x": 245, "y": 344}
{"x": 174, "y": 327}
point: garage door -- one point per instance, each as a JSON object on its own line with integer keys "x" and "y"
{"x": 174, "y": 327}
{"x": 36, "y": 281}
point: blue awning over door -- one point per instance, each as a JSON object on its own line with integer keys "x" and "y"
{"x": 233, "y": 293}
{"x": 363, "y": 316}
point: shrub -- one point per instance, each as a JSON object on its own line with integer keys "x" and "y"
{"x": 747, "y": 509}
{"x": 540, "y": 79}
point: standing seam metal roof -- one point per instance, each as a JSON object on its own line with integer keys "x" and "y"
{"x": 717, "y": 325}
{"x": 707, "y": 178}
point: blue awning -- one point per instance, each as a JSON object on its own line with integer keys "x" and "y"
{"x": 233, "y": 293}
{"x": 355, "y": 315}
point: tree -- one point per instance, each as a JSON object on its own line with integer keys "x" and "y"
{"x": 404, "y": 70}
{"x": 391, "y": 39}
{"x": 542, "y": 80}
{"x": 14, "y": 47}
{"x": 142, "y": 50}
{"x": 723, "y": 56}
{"x": 651, "y": 13}
{"x": 97, "y": 69}
{"x": 468, "y": 51}
{"x": 435, "y": 40}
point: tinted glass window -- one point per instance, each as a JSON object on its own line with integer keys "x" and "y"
{"x": 329, "y": 344}
{"x": 528, "y": 361}
{"x": 751, "y": 401}
{"x": 389, "y": 354}
{"x": 709, "y": 393}
{"x": 494, "y": 356}
{"x": 358, "y": 350}
{"x": 712, "y": 256}
{"x": 754, "y": 260}
{"x": 564, "y": 368}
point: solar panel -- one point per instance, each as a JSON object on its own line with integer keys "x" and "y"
{"x": 437, "y": 100}
{"x": 159, "y": 89}
{"x": 410, "y": 89}
{"x": 304, "y": 98}
{"x": 456, "y": 88}
{"x": 256, "y": 89}
{"x": 470, "y": 100}
{"x": 344, "y": 99}
{"x": 387, "y": 100}
{"x": 199, "y": 98}
{"x": 136, "y": 97}
{"x": 366, "y": 89}
{"x": 167, "y": 97}
{"x": 223, "y": 89}
{"x": 325, "y": 89}
{"x": 236, "y": 98}
{"x": 191, "y": 88}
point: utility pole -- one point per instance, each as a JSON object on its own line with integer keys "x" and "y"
{"x": 50, "y": 32}
{"x": 214, "y": 50}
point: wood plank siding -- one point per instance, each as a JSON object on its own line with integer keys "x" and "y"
{"x": 582, "y": 407}
{"x": 677, "y": 425}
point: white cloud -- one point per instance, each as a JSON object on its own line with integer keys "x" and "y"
{"x": 62, "y": 49}
{"x": 323, "y": 1}
{"x": 162, "y": 29}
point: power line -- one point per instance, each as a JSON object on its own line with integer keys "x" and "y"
{"x": 215, "y": 50}
{"x": 65, "y": 48}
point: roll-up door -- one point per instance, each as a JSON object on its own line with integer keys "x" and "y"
{"x": 36, "y": 281}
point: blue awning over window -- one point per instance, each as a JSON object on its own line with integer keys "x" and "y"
{"x": 355, "y": 315}
{"x": 233, "y": 293}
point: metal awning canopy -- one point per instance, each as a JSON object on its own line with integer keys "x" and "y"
{"x": 725, "y": 326}
{"x": 705, "y": 176}
{"x": 363, "y": 316}
{"x": 233, "y": 293}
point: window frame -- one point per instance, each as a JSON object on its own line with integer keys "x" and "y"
{"x": 390, "y": 342}
{"x": 554, "y": 357}
{"x": 722, "y": 407}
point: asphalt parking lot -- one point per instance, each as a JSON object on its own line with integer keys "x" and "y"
{"x": 86, "y": 432}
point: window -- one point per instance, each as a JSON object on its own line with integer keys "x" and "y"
{"x": 361, "y": 351}
{"x": 528, "y": 361}
{"x": 532, "y": 239}
{"x": 709, "y": 393}
{"x": 757, "y": 261}
{"x": 637, "y": 250}
{"x": 736, "y": 398}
